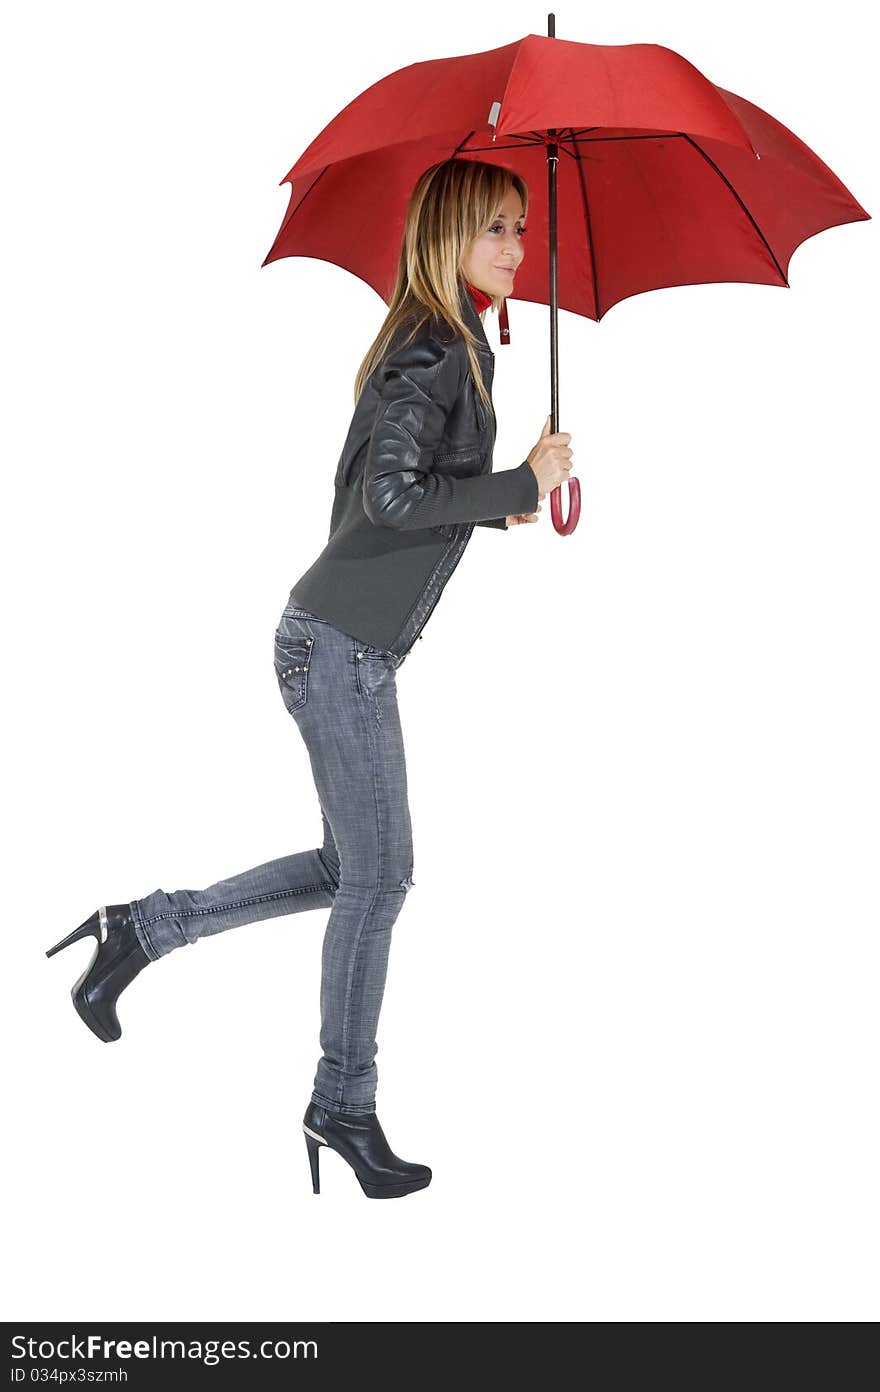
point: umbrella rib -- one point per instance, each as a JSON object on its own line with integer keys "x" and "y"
{"x": 739, "y": 200}
{"x": 597, "y": 139}
{"x": 475, "y": 149}
{"x": 583, "y": 187}
{"x": 461, "y": 143}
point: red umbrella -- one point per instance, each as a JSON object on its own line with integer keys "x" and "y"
{"x": 662, "y": 178}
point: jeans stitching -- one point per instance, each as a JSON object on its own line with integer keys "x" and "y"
{"x": 357, "y": 669}
{"x": 138, "y": 918}
{"x": 323, "y": 1101}
{"x": 238, "y": 904}
{"x": 346, "y": 1014}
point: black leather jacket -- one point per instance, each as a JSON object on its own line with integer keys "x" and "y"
{"x": 413, "y": 480}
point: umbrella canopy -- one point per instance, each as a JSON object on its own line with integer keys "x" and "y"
{"x": 663, "y": 178}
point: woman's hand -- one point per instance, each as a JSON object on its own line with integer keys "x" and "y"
{"x": 550, "y": 459}
{"x": 522, "y": 517}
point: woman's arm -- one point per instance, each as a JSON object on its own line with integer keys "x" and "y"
{"x": 418, "y": 387}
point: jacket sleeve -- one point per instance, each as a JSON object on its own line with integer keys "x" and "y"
{"x": 495, "y": 522}
{"x": 418, "y": 385}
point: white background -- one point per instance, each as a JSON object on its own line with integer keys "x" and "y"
{"x": 631, "y": 1009}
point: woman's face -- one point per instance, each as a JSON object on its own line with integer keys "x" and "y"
{"x": 491, "y": 260}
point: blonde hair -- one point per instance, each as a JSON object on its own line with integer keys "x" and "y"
{"x": 452, "y": 203}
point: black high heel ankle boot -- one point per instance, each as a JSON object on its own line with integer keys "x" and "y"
{"x": 115, "y": 963}
{"x": 361, "y": 1141}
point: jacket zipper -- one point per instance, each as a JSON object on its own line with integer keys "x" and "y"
{"x": 418, "y": 632}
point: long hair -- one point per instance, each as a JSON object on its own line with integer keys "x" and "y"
{"x": 452, "y": 203}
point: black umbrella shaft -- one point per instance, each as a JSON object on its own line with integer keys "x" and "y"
{"x": 552, "y": 161}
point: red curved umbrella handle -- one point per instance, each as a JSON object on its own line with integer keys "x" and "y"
{"x": 574, "y": 507}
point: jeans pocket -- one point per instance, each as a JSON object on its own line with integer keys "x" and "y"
{"x": 374, "y": 667}
{"x": 293, "y": 657}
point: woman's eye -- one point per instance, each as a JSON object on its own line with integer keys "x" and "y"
{"x": 498, "y": 228}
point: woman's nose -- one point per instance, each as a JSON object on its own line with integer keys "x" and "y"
{"x": 513, "y": 247}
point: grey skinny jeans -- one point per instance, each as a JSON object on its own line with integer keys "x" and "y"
{"x": 342, "y": 695}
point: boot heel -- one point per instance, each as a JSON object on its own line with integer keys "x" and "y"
{"x": 313, "y": 1146}
{"x": 91, "y": 928}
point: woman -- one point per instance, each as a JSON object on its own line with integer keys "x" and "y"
{"x": 414, "y": 478}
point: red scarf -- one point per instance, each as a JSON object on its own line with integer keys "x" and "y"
{"x": 482, "y": 301}
{"x": 480, "y": 298}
